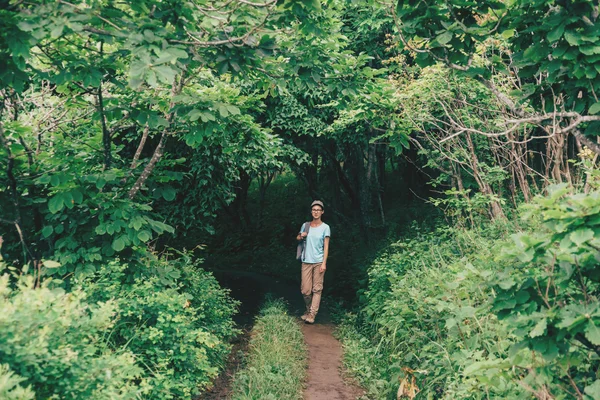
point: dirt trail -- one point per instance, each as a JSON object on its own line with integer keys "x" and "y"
{"x": 324, "y": 351}
{"x": 324, "y": 366}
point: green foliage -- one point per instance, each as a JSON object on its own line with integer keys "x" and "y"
{"x": 470, "y": 314}
{"x": 56, "y": 342}
{"x": 10, "y": 388}
{"x": 276, "y": 361}
{"x": 553, "y": 44}
{"x": 174, "y": 317}
{"x": 548, "y": 294}
{"x": 425, "y": 314}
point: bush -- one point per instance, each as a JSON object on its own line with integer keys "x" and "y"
{"x": 276, "y": 364}
{"x": 174, "y": 318}
{"x": 471, "y": 314}
{"x": 425, "y": 316}
{"x": 10, "y": 386}
{"x": 54, "y": 342}
{"x": 549, "y": 296}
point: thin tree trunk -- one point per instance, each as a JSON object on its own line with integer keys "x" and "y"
{"x": 138, "y": 152}
{"x": 106, "y": 140}
{"x": 495, "y": 208}
{"x": 158, "y": 152}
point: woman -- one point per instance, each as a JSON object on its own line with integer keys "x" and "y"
{"x": 314, "y": 260}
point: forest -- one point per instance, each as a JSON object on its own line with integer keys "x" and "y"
{"x": 148, "y": 148}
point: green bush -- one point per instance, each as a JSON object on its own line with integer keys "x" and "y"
{"x": 54, "y": 342}
{"x": 425, "y": 315}
{"x": 10, "y": 386}
{"x": 174, "y": 317}
{"x": 276, "y": 364}
{"x": 160, "y": 332}
{"x": 549, "y": 297}
{"x": 470, "y": 314}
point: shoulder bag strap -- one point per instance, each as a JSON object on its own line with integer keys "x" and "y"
{"x": 306, "y": 229}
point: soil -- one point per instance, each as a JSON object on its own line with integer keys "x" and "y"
{"x": 221, "y": 388}
{"x": 325, "y": 366}
{"x": 324, "y": 351}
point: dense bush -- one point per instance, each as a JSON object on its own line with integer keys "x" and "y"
{"x": 424, "y": 315}
{"x": 472, "y": 314}
{"x": 54, "y": 342}
{"x": 174, "y": 317}
{"x": 160, "y": 332}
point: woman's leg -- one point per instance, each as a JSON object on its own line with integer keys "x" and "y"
{"x": 307, "y": 285}
{"x": 317, "y": 288}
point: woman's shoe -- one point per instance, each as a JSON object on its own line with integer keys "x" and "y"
{"x": 310, "y": 319}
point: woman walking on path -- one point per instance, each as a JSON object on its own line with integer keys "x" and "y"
{"x": 314, "y": 260}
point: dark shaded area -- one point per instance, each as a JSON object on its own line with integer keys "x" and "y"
{"x": 221, "y": 388}
{"x": 251, "y": 288}
{"x": 268, "y": 247}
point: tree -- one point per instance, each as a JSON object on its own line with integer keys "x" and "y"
{"x": 549, "y": 52}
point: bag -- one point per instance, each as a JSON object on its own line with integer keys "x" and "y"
{"x": 302, "y": 245}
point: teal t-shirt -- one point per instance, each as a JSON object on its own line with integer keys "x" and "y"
{"x": 315, "y": 243}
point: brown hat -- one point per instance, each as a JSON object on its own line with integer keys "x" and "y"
{"x": 317, "y": 203}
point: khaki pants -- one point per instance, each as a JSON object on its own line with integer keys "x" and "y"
{"x": 312, "y": 286}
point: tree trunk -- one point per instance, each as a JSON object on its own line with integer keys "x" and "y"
{"x": 158, "y": 151}
{"x": 495, "y": 208}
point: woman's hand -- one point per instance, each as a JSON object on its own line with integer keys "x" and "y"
{"x": 323, "y": 268}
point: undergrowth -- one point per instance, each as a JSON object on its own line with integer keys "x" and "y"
{"x": 276, "y": 364}
{"x": 508, "y": 311}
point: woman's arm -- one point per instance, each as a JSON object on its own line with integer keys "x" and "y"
{"x": 325, "y": 254}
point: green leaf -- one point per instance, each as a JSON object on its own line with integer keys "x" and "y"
{"x": 118, "y": 244}
{"x": 100, "y": 183}
{"x": 177, "y": 52}
{"x": 51, "y": 264}
{"x": 194, "y": 115}
{"x": 55, "y": 180}
{"x": 223, "y": 110}
{"x": 507, "y": 34}
{"x": 56, "y": 204}
{"x": 595, "y": 108}
{"x": 26, "y": 26}
{"x": 507, "y": 283}
{"x": 144, "y": 236}
{"x": 592, "y": 333}
{"x": 581, "y": 236}
{"x": 168, "y": 193}
{"x": 573, "y": 38}
{"x": 556, "y": 33}
{"x": 137, "y": 223}
{"x": 77, "y": 196}
{"x": 165, "y": 73}
{"x": 444, "y": 37}
{"x": 539, "y": 328}
{"x": 593, "y": 390}
{"x": 233, "y": 109}
{"x": 57, "y": 31}
{"x": 47, "y": 231}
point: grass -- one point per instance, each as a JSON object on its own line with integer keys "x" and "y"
{"x": 276, "y": 363}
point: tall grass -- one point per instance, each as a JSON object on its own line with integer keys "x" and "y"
{"x": 276, "y": 362}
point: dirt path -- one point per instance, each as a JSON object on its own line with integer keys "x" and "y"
{"x": 324, "y": 351}
{"x": 325, "y": 365}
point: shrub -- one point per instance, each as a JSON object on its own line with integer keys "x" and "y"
{"x": 174, "y": 318}
{"x": 54, "y": 342}
{"x": 10, "y": 386}
{"x": 548, "y": 296}
{"x": 470, "y": 314}
{"x": 425, "y": 315}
